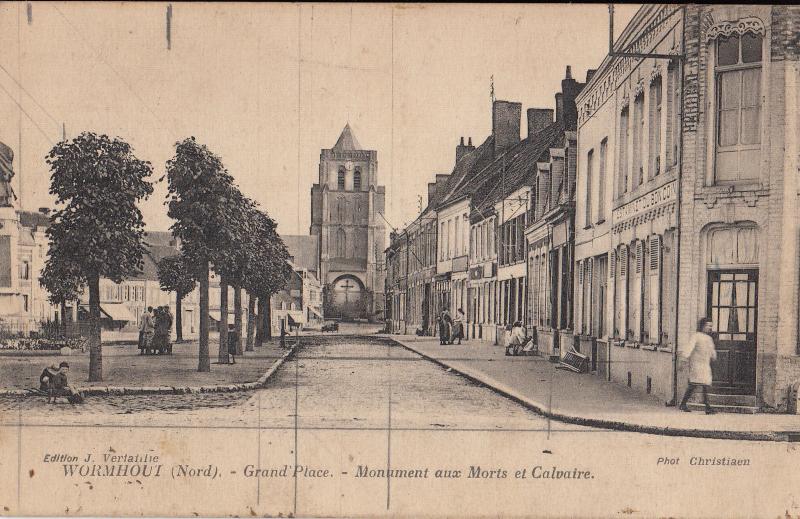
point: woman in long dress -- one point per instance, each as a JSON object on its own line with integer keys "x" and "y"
{"x": 699, "y": 351}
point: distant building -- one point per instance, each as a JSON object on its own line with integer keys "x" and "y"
{"x": 302, "y": 297}
{"x": 345, "y": 207}
{"x": 23, "y": 252}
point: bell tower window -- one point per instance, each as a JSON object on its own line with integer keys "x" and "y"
{"x": 340, "y": 179}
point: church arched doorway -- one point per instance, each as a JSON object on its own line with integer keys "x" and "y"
{"x": 348, "y": 297}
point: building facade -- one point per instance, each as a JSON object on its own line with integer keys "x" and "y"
{"x": 345, "y": 207}
{"x": 688, "y": 173}
{"x": 627, "y": 212}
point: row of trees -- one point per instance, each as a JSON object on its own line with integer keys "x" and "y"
{"x": 98, "y": 231}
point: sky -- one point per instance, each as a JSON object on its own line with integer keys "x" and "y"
{"x": 266, "y": 87}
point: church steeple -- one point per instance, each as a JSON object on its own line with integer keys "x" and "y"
{"x": 347, "y": 141}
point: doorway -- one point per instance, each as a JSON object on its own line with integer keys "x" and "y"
{"x": 732, "y": 304}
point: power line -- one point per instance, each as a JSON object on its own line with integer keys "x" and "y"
{"x": 42, "y": 108}
{"x": 100, "y": 58}
{"x": 44, "y": 134}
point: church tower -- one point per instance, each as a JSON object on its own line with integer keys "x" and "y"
{"x": 344, "y": 218}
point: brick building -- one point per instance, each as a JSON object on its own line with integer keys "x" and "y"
{"x": 345, "y": 207}
{"x": 688, "y": 172}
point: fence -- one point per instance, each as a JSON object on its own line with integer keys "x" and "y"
{"x": 47, "y": 330}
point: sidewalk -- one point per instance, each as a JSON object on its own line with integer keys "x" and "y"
{"x": 588, "y": 400}
{"x": 126, "y": 371}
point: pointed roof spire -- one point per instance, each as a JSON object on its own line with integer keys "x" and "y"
{"x": 347, "y": 141}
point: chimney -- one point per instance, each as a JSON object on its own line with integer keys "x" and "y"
{"x": 565, "y": 101}
{"x": 431, "y": 191}
{"x": 505, "y": 125}
{"x": 558, "y": 187}
{"x": 463, "y": 150}
{"x": 559, "y": 107}
{"x": 538, "y": 120}
{"x": 434, "y": 188}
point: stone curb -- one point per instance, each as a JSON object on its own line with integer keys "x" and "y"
{"x": 169, "y": 390}
{"x": 541, "y": 408}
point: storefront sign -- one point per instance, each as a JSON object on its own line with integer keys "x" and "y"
{"x": 662, "y": 195}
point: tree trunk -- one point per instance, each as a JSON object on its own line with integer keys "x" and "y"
{"x": 64, "y": 317}
{"x": 95, "y": 346}
{"x": 204, "y": 360}
{"x": 259, "y": 323}
{"x": 223, "y": 321}
{"x": 237, "y": 318}
{"x": 268, "y": 318}
{"x": 251, "y": 321}
{"x": 178, "y": 317}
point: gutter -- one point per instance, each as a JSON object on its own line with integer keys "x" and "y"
{"x": 681, "y": 64}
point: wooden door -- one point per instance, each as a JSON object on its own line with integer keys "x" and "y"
{"x": 733, "y": 308}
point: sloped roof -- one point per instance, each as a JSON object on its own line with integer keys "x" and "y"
{"x": 33, "y": 219}
{"x": 520, "y": 167}
{"x": 303, "y": 250}
{"x": 465, "y": 171}
{"x": 347, "y": 140}
{"x": 159, "y": 238}
{"x": 158, "y": 245}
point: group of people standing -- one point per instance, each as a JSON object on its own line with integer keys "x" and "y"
{"x": 154, "y": 331}
{"x": 451, "y": 328}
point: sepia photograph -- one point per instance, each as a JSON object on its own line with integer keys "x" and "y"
{"x": 399, "y": 260}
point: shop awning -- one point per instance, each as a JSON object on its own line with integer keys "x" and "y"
{"x": 215, "y": 315}
{"x": 117, "y": 312}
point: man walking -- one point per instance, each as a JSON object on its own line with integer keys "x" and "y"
{"x": 700, "y": 351}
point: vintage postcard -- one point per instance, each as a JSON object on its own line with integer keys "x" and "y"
{"x": 399, "y": 260}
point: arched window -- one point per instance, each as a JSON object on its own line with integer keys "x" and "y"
{"x": 340, "y": 179}
{"x": 357, "y": 179}
{"x": 341, "y": 243}
{"x": 341, "y": 208}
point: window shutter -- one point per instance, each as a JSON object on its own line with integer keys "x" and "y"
{"x": 655, "y": 289}
{"x": 636, "y": 292}
{"x": 589, "y": 296}
{"x": 579, "y": 302}
{"x": 613, "y": 267}
{"x": 623, "y": 292}
{"x": 639, "y": 256}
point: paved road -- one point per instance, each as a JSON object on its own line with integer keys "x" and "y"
{"x": 366, "y": 401}
{"x": 336, "y": 380}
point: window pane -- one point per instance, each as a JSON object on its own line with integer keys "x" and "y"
{"x": 741, "y": 295}
{"x": 728, "y": 127}
{"x": 751, "y": 87}
{"x": 751, "y": 125}
{"x": 725, "y": 293}
{"x": 724, "y": 315}
{"x": 729, "y": 94}
{"x": 741, "y": 319}
{"x": 728, "y": 50}
{"x": 749, "y": 164}
{"x": 727, "y": 167}
{"x": 751, "y": 48}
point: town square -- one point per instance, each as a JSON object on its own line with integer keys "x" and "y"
{"x": 399, "y": 260}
